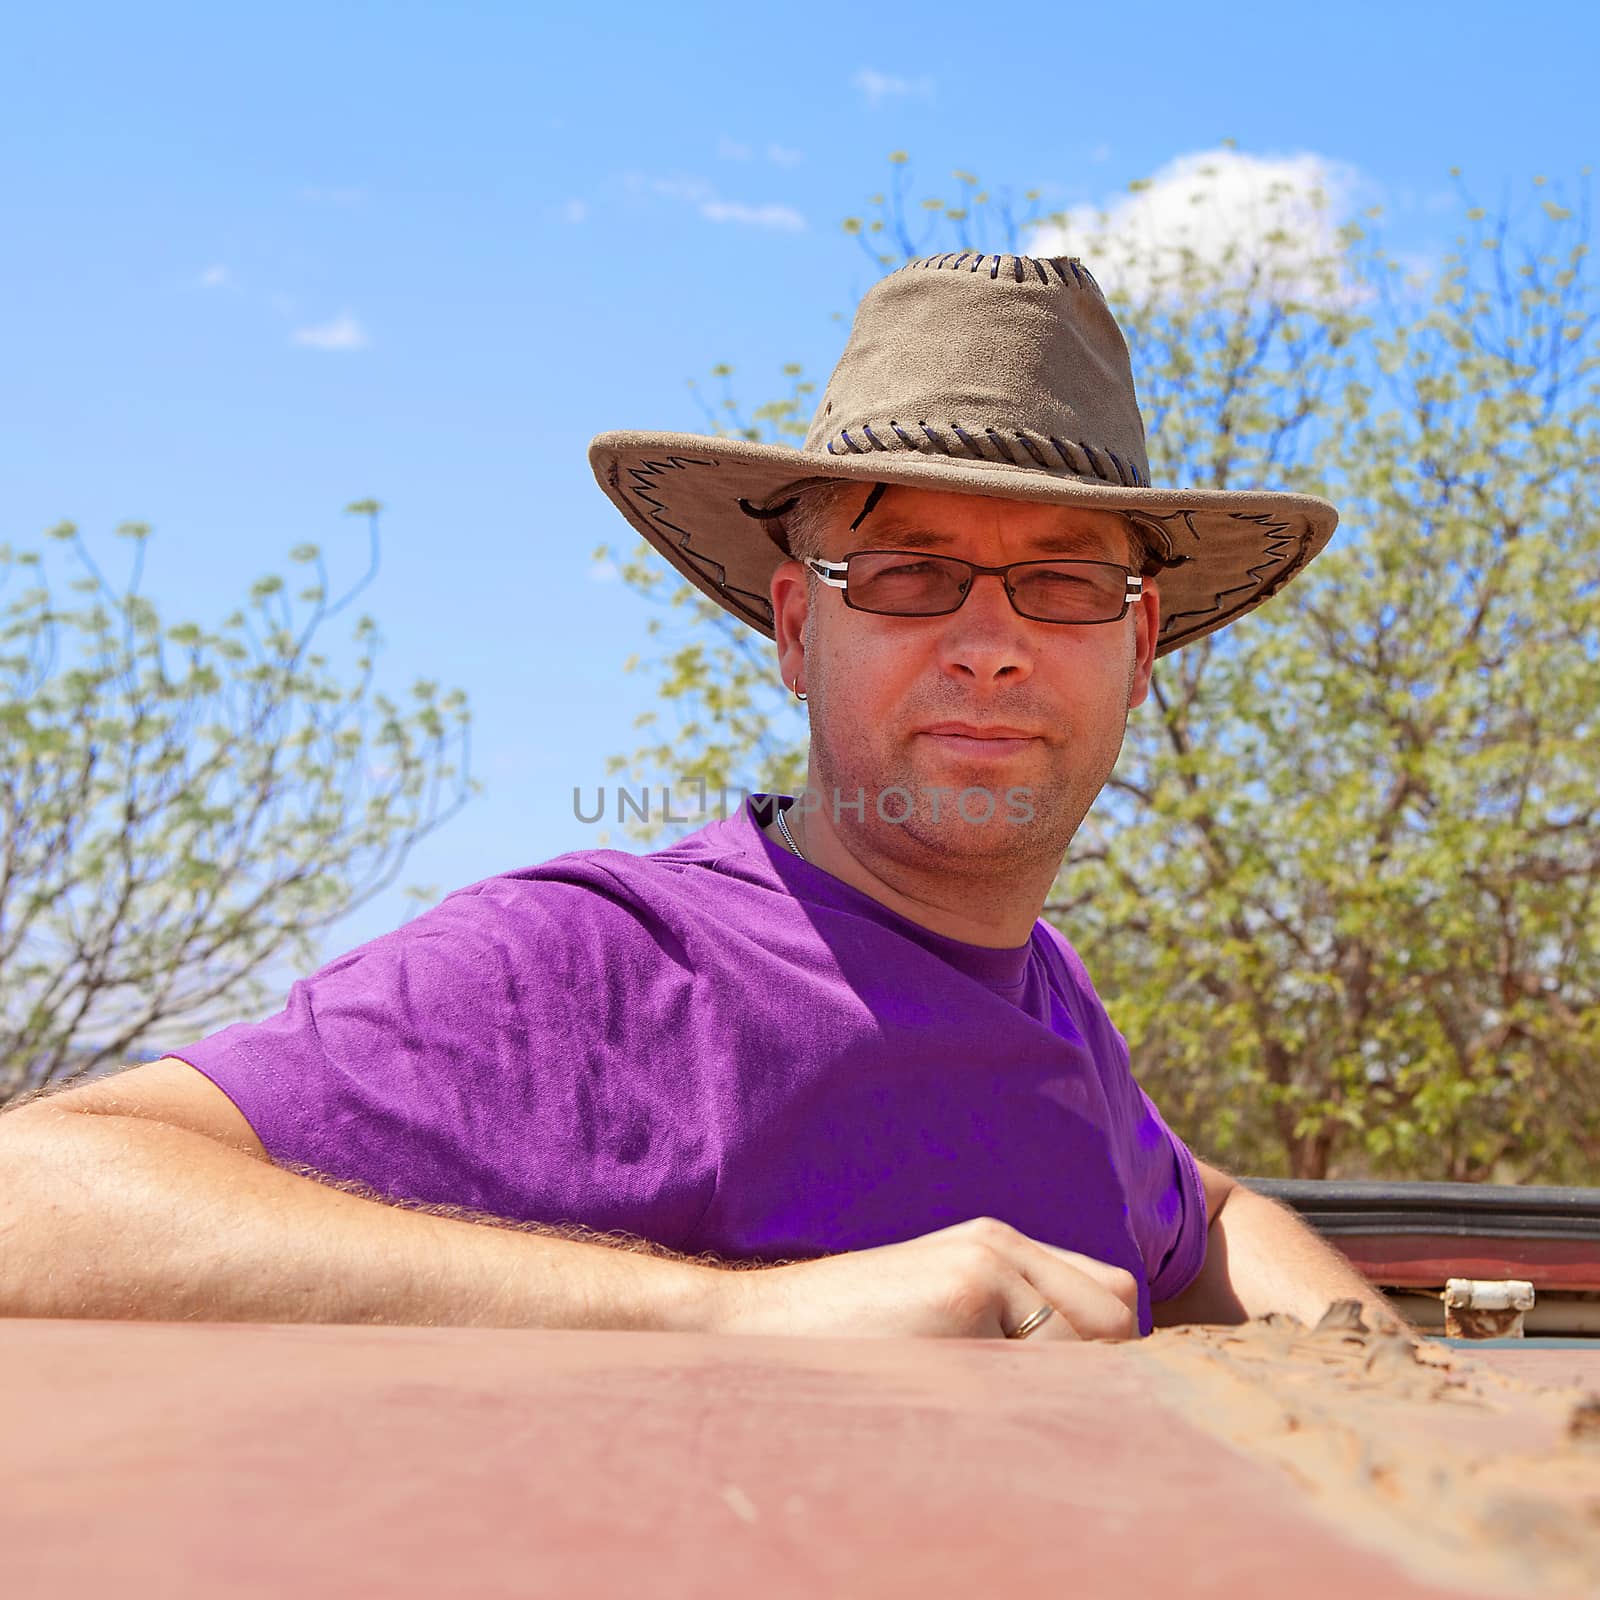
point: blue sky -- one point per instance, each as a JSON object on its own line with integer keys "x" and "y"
{"x": 262, "y": 262}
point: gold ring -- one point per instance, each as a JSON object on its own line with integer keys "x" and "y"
{"x": 1037, "y": 1320}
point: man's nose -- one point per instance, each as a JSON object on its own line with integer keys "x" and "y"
{"x": 985, "y": 639}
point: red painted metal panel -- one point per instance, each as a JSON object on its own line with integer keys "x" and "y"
{"x": 201, "y": 1460}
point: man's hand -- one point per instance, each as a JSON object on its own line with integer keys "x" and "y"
{"x": 976, "y": 1280}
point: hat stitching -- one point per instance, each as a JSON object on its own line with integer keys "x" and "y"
{"x": 1028, "y": 445}
{"x": 876, "y": 493}
{"x": 952, "y": 261}
{"x": 1154, "y": 526}
{"x": 1067, "y": 457}
{"x": 765, "y": 513}
{"x": 1259, "y": 587}
{"x": 1086, "y": 463}
{"x": 757, "y": 606}
{"x": 1001, "y": 445}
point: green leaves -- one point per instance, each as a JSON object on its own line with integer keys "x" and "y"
{"x": 1343, "y": 893}
{"x": 181, "y": 806}
{"x": 1397, "y": 744}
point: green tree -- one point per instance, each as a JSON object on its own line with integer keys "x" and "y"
{"x": 1341, "y": 892}
{"x": 181, "y": 807}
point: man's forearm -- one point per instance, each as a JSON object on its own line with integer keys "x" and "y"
{"x": 1261, "y": 1257}
{"x": 95, "y": 1221}
{"x": 1276, "y": 1262}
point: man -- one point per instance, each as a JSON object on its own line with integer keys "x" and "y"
{"x": 828, "y": 1039}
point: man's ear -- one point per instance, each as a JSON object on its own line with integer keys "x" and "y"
{"x": 1147, "y": 629}
{"x": 791, "y": 601}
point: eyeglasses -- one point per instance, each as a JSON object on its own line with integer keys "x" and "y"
{"x": 912, "y": 583}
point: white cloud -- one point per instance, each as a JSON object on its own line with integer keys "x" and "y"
{"x": 768, "y": 216}
{"x": 1222, "y": 207}
{"x": 704, "y": 198}
{"x": 344, "y": 332}
{"x": 576, "y": 211}
{"x": 881, "y": 86}
{"x": 784, "y": 158}
{"x": 1101, "y": 152}
{"x": 604, "y": 571}
{"x": 214, "y": 278}
{"x": 731, "y": 150}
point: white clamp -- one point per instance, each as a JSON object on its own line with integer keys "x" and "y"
{"x": 1486, "y": 1308}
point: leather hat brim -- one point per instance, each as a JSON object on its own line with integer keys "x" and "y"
{"x": 683, "y": 493}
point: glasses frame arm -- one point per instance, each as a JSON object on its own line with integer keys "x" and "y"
{"x": 836, "y": 575}
{"x": 826, "y": 570}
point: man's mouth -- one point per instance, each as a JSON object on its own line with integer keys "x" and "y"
{"x": 972, "y": 739}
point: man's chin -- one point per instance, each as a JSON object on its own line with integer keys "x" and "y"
{"x": 1015, "y": 834}
{"x": 1014, "y": 810}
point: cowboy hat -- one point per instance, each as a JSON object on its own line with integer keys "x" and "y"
{"x": 997, "y": 375}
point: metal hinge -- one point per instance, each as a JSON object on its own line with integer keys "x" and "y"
{"x": 1485, "y": 1308}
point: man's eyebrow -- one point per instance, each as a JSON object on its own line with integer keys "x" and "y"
{"x": 889, "y": 533}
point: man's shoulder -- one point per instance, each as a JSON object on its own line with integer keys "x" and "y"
{"x": 1077, "y": 989}
{"x": 602, "y": 883}
{"x": 1060, "y": 953}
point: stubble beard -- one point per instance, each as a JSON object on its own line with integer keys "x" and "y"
{"x": 845, "y": 767}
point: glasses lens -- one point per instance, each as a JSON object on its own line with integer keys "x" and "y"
{"x": 1069, "y": 591}
{"x": 904, "y": 583}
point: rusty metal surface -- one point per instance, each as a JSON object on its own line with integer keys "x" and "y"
{"x": 1409, "y": 1235}
{"x": 173, "y": 1460}
{"x": 1424, "y": 1261}
{"x": 1483, "y": 1465}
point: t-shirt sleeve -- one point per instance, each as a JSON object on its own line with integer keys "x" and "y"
{"x": 484, "y": 1055}
{"x": 1166, "y": 1200}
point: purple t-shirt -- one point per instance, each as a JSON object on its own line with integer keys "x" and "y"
{"x": 722, "y": 1048}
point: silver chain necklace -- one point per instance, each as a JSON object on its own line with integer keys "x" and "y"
{"x": 788, "y": 838}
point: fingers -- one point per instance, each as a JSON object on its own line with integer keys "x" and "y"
{"x": 1094, "y": 1299}
{"x": 1023, "y": 1299}
{"x": 1118, "y": 1280}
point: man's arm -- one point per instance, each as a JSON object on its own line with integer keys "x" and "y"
{"x": 107, "y": 1210}
{"x": 112, "y": 1216}
{"x": 1261, "y": 1257}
